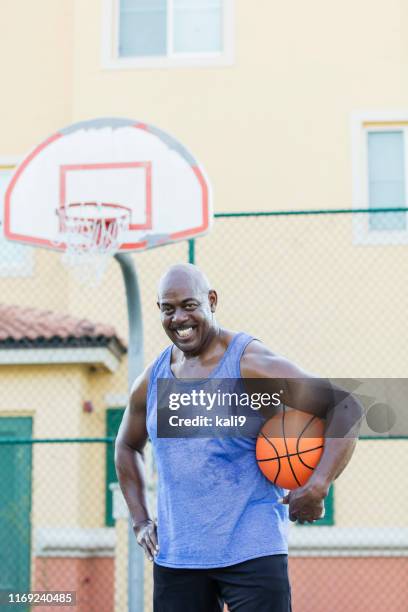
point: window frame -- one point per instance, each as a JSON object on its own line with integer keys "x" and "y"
{"x": 362, "y": 124}
{"x": 111, "y": 59}
{"x": 14, "y": 269}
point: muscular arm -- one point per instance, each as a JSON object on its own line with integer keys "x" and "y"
{"x": 308, "y": 393}
{"x": 129, "y": 462}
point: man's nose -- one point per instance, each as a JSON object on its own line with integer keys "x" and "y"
{"x": 179, "y": 316}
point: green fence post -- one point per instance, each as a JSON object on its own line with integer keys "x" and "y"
{"x": 191, "y": 251}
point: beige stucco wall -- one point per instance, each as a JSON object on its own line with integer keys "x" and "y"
{"x": 37, "y": 71}
{"x": 279, "y": 115}
{"x": 273, "y": 129}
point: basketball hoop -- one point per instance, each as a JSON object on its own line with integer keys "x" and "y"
{"x": 67, "y": 193}
{"x": 91, "y": 232}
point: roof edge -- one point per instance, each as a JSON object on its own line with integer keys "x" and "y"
{"x": 57, "y": 342}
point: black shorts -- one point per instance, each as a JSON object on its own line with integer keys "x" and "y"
{"x": 257, "y": 585}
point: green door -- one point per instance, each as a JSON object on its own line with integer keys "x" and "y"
{"x": 15, "y": 506}
{"x": 113, "y": 421}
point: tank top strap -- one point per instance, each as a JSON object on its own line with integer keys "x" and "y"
{"x": 159, "y": 369}
{"x": 231, "y": 366}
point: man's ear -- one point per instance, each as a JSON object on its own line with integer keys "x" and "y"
{"x": 213, "y": 299}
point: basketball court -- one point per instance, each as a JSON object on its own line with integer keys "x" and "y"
{"x": 248, "y": 140}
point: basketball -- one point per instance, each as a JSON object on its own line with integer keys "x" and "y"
{"x": 289, "y": 447}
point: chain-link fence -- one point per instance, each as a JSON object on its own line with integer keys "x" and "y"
{"x": 325, "y": 290}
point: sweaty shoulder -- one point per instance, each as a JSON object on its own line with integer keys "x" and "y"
{"x": 258, "y": 361}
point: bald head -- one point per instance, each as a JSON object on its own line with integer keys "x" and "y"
{"x": 187, "y": 275}
{"x": 187, "y": 305}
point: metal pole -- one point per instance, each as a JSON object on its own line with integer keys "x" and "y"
{"x": 135, "y": 367}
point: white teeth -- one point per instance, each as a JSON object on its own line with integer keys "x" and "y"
{"x": 184, "y": 333}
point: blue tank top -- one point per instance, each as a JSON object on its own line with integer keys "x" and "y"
{"x": 214, "y": 506}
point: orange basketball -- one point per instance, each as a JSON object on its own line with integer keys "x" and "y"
{"x": 289, "y": 447}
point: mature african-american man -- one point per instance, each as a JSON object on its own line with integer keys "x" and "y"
{"x": 221, "y": 532}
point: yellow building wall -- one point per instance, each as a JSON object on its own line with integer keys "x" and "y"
{"x": 280, "y": 114}
{"x": 36, "y": 47}
{"x": 273, "y": 129}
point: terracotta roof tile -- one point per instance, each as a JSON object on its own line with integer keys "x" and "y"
{"x": 25, "y": 323}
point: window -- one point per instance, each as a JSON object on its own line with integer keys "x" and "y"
{"x": 163, "y": 33}
{"x": 380, "y": 158}
{"x": 15, "y": 259}
{"x": 386, "y": 178}
{"x": 142, "y": 28}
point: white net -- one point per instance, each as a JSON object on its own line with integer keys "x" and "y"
{"x": 91, "y": 233}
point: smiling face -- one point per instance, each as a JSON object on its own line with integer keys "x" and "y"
{"x": 187, "y": 305}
